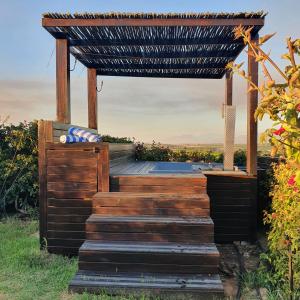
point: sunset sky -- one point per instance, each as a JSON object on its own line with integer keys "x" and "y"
{"x": 165, "y": 110}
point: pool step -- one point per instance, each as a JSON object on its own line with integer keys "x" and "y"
{"x": 150, "y": 229}
{"x": 156, "y": 204}
{"x": 168, "y": 286}
{"x": 151, "y": 257}
{"x": 159, "y": 183}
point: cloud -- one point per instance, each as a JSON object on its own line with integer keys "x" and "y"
{"x": 171, "y": 111}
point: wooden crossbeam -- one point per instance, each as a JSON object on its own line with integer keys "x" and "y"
{"x": 160, "y": 75}
{"x": 50, "y": 22}
{"x": 154, "y": 42}
{"x": 142, "y": 66}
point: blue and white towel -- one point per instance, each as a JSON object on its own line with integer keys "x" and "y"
{"x": 69, "y": 139}
{"x": 91, "y": 137}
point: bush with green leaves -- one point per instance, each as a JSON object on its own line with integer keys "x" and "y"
{"x": 159, "y": 152}
{"x": 18, "y": 166}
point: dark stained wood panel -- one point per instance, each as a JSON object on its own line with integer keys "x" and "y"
{"x": 233, "y": 207}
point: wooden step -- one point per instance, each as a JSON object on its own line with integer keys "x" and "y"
{"x": 161, "y": 204}
{"x": 150, "y": 257}
{"x": 155, "y": 285}
{"x": 162, "y": 183}
{"x": 189, "y": 230}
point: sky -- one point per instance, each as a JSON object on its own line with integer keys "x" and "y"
{"x": 164, "y": 110}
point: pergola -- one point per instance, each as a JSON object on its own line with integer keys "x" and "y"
{"x": 152, "y": 45}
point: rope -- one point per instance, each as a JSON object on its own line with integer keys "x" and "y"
{"x": 100, "y": 87}
{"x": 74, "y": 65}
{"x": 50, "y": 57}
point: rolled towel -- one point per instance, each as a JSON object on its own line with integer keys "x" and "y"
{"x": 69, "y": 139}
{"x": 91, "y": 137}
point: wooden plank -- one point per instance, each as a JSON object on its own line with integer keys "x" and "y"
{"x": 78, "y": 211}
{"x": 69, "y": 202}
{"x": 206, "y": 287}
{"x": 171, "y": 258}
{"x": 158, "y": 181}
{"x": 252, "y": 100}
{"x": 67, "y": 234}
{"x": 157, "y": 227}
{"x": 148, "y": 268}
{"x": 125, "y": 211}
{"x": 63, "y": 110}
{"x": 68, "y": 251}
{"x": 157, "y": 189}
{"x": 65, "y": 127}
{"x": 92, "y": 98}
{"x": 44, "y": 135}
{"x": 103, "y": 170}
{"x": 68, "y": 218}
{"x": 72, "y": 161}
{"x": 71, "y": 155}
{"x": 84, "y": 176}
{"x": 151, "y": 237}
{"x": 66, "y": 226}
{"x": 49, "y": 22}
{"x": 71, "y": 194}
{"x": 72, "y": 186}
{"x": 71, "y": 243}
{"x": 153, "y": 202}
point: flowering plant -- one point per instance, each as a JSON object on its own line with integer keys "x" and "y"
{"x": 280, "y": 100}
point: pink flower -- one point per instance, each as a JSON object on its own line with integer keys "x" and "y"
{"x": 292, "y": 181}
{"x": 298, "y": 107}
{"x": 279, "y": 131}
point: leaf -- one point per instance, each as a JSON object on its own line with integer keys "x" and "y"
{"x": 297, "y": 177}
{"x": 265, "y": 38}
{"x": 286, "y": 56}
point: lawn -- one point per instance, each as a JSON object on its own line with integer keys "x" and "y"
{"x": 28, "y": 273}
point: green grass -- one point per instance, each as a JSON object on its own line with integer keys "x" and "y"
{"x": 28, "y": 273}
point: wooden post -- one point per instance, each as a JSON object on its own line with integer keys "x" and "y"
{"x": 63, "y": 112}
{"x": 251, "y": 107}
{"x": 228, "y": 89}
{"x": 92, "y": 98}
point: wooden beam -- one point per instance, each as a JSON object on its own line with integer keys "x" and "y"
{"x": 63, "y": 111}
{"x": 219, "y": 75}
{"x": 252, "y": 100}
{"x": 226, "y": 40}
{"x": 92, "y": 98}
{"x": 50, "y": 22}
{"x": 228, "y": 89}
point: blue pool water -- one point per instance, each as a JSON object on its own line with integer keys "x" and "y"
{"x": 183, "y": 167}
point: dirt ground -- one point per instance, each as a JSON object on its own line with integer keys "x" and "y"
{"x": 236, "y": 259}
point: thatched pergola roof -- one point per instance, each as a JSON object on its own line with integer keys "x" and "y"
{"x": 188, "y": 45}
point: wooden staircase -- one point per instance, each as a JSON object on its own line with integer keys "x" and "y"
{"x": 156, "y": 243}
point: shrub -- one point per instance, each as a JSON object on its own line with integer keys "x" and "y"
{"x": 110, "y": 139}
{"x": 284, "y": 221}
{"x": 156, "y": 152}
{"x": 280, "y": 101}
{"x": 18, "y": 166}
{"x": 159, "y": 152}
